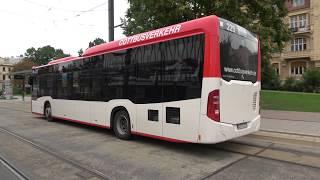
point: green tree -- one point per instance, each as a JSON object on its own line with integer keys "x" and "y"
{"x": 263, "y": 17}
{"x": 95, "y": 42}
{"x": 270, "y": 79}
{"x": 30, "y": 53}
{"x": 80, "y": 52}
{"x": 44, "y": 54}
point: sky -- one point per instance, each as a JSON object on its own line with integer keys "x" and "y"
{"x": 64, "y": 24}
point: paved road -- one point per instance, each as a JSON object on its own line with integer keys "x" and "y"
{"x": 249, "y": 157}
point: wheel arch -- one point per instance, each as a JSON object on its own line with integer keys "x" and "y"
{"x": 116, "y": 105}
{"x": 46, "y": 102}
{"x": 113, "y": 113}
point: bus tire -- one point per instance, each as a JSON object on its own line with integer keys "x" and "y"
{"x": 122, "y": 126}
{"x": 47, "y": 112}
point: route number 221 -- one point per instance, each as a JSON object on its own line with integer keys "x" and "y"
{"x": 231, "y": 28}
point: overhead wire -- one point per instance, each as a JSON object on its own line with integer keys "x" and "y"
{"x": 51, "y": 8}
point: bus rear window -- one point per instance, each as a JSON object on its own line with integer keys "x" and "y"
{"x": 238, "y": 56}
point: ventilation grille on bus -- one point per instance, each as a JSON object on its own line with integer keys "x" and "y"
{"x": 254, "y": 102}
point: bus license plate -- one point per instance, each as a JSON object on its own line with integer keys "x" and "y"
{"x": 242, "y": 126}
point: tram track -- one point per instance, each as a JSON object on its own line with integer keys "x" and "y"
{"x": 254, "y": 155}
{"x": 95, "y": 173}
{"x": 257, "y": 154}
{"x": 13, "y": 169}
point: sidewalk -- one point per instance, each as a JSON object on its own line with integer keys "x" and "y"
{"x": 301, "y": 123}
{"x": 17, "y": 98}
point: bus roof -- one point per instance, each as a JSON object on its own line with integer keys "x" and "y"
{"x": 196, "y": 26}
{"x": 62, "y": 59}
{"x": 208, "y": 25}
{"x": 57, "y": 61}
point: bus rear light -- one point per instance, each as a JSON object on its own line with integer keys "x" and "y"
{"x": 213, "y": 107}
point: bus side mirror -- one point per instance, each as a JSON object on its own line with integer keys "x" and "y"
{"x": 30, "y": 80}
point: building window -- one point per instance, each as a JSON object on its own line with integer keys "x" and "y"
{"x": 299, "y": 44}
{"x": 298, "y": 21}
{"x": 298, "y": 68}
{"x": 3, "y": 77}
{"x": 4, "y": 69}
{"x": 297, "y": 3}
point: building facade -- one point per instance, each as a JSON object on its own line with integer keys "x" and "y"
{"x": 303, "y": 51}
{"x": 5, "y": 68}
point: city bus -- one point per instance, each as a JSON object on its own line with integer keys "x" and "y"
{"x": 194, "y": 82}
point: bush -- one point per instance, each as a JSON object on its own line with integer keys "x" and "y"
{"x": 311, "y": 80}
{"x": 17, "y": 91}
{"x": 291, "y": 84}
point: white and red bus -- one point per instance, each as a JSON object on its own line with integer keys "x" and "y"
{"x": 197, "y": 81}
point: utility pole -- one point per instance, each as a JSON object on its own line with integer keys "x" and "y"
{"x": 111, "y": 19}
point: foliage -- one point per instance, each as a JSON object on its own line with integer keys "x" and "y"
{"x": 24, "y": 64}
{"x": 17, "y": 91}
{"x": 270, "y": 78}
{"x": 310, "y": 82}
{"x": 80, "y": 52}
{"x": 95, "y": 42}
{"x": 44, "y": 54}
{"x": 292, "y": 84}
{"x": 289, "y": 83}
{"x": 311, "y": 79}
{"x": 290, "y": 101}
{"x": 263, "y": 17}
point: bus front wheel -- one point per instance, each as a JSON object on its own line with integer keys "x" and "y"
{"x": 122, "y": 126}
{"x": 47, "y": 112}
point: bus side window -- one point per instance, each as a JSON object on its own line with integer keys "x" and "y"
{"x": 183, "y": 67}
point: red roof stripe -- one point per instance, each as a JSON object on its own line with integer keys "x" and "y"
{"x": 201, "y": 25}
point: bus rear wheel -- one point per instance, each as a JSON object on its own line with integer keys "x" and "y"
{"x": 122, "y": 126}
{"x": 47, "y": 112}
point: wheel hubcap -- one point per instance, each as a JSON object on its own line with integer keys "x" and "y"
{"x": 123, "y": 125}
{"x": 48, "y": 111}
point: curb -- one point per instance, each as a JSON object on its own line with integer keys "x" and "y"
{"x": 291, "y": 136}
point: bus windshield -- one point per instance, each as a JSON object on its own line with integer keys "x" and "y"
{"x": 238, "y": 53}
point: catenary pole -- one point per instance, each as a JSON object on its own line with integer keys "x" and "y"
{"x": 111, "y": 19}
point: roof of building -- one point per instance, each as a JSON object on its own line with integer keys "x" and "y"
{"x": 5, "y": 62}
